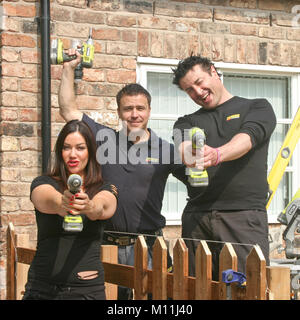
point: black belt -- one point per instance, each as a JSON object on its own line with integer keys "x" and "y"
{"x": 123, "y": 240}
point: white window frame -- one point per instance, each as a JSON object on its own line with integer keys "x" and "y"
{"x": 148, "y": 64}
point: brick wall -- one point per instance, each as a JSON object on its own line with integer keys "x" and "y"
{"x": 239, "y": 31}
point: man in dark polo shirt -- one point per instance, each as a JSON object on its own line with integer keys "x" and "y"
{"x": 135, "y": 159}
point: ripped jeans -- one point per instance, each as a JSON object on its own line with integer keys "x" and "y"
{"x": 38, "y": 290}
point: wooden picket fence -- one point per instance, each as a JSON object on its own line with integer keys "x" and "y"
{"x": 262, "y": 282}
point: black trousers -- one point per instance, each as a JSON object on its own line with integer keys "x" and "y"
{"x": 246, "y": 228}
{"x": 38, "y": 290}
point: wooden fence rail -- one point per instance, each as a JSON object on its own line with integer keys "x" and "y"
{"x": 262, "y": 282}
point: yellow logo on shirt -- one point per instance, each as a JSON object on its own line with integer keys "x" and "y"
{"x": 233, "y": 116}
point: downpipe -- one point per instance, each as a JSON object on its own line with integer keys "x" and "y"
{"x": 46, "y": 83}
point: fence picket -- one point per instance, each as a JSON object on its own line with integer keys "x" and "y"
{"x": 140, "y": 268}
{"x": 159, "y": 274}
{"x": 227, "y": 260}
{"x": 11, "y": 263}
{"x": 203, "y": 272}
{"x": 22, "y": 240}
{"x": 256, "y": 275}
{"x": 279, "y": 284}
{"x": 180, "y": 271}
{"x": 109, "y": 253}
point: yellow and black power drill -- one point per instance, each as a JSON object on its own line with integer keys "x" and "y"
{"x": 58, "y": 56}
{"x": 197, "y": 177}
{"x": 73, "y": 223}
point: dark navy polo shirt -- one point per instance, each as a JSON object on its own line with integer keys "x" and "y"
{"x": 140, "y": 172}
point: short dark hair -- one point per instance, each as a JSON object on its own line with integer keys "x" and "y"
{"x": 133, "y": 89}
{"x": 187, "y": 64}
{"x": 93, "y": 175}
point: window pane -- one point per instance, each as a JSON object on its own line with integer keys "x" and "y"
{"x": 276, "y": 91}
{"x": 166, "y": 97}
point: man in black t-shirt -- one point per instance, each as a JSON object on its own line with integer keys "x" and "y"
{"x": 232, "y": 208}
{"x": 135, "y": 159}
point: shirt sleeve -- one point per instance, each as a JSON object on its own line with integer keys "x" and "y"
{"x": 111, "y": 188}
{"x": 43, "y": 180}
{"x": 94, "y": 126}
{"x": 259, "y": 122}
{"x": 181, "y": 131}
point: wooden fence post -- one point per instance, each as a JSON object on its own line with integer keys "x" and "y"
{"x": 227, "y": 260}
{"x": 140, "y": 269}
{"x": 180, "y": 271}
{"x": 279, "y": 284}
{"x": 256, "y": 275}
{"x": 203, "y": 272}
{"x": 21, "y": 240}
{"x": 109, "y": 253}
{"x": 10, "y": 263}
{"x": 159, "y": 267}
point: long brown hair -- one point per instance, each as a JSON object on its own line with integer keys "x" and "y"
{"x": 93, "y": 176}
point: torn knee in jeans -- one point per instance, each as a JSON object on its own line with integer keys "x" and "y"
{"x": 87, "y": 275}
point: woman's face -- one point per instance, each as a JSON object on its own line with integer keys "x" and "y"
{"x": 75, "y": 153}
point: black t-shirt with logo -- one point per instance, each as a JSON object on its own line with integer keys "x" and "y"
{"x": 240, "y": 184}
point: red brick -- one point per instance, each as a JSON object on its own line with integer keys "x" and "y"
{"x": 128, "y": 35}
{"x": 19, "y": 219}
{"x": 28, "y": 115}
{"x": 19, "y": 70}
{"x": 93, "y": 75}
{"x": 143, "y": 43}
{"x": 121, "y": 20}
{"x": 30, "y": 56}
{"x": 9, "y": 84}
{"x": 30, "y": 85}
{"x": 121, "y": 76}
{"x": 106, "y": 34}
{"x": 272, "y": 5}
{"x": 121, "y": 48}
{"x": 8, "y": 114}
{"x": 19, "y": 10}
{"x": 156, "y": 44}
{"x": 9, "y": 55}
{"x": 129, "y": 63}
{"x": 17, "y": 40}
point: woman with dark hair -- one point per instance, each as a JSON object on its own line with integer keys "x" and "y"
{"x": 67, "y": 264}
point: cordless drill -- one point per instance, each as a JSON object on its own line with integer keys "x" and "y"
{"x": 58, "y": 55}
{"x": 71, "y": 222}
{"x": 197, "y": 177}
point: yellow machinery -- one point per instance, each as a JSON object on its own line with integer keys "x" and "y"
{"x": 284, "y": 156}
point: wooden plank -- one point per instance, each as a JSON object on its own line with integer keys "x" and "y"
{"x": 256, "y": 275}
{"x": 22, "y": 240}
{"x": 159, "y": 267}
{"x": 25, "y": 255}
{"x": 140, "y": 268}
{"x": 203, "y": 272}
{"x": 180, "y": 271}
{"x": 279, "y": 285}
{"x": 109, "y": 253}
{"x": 119, "y": 274}
{"x": 227, "y": 260}
{"x": 10, "y": 263}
